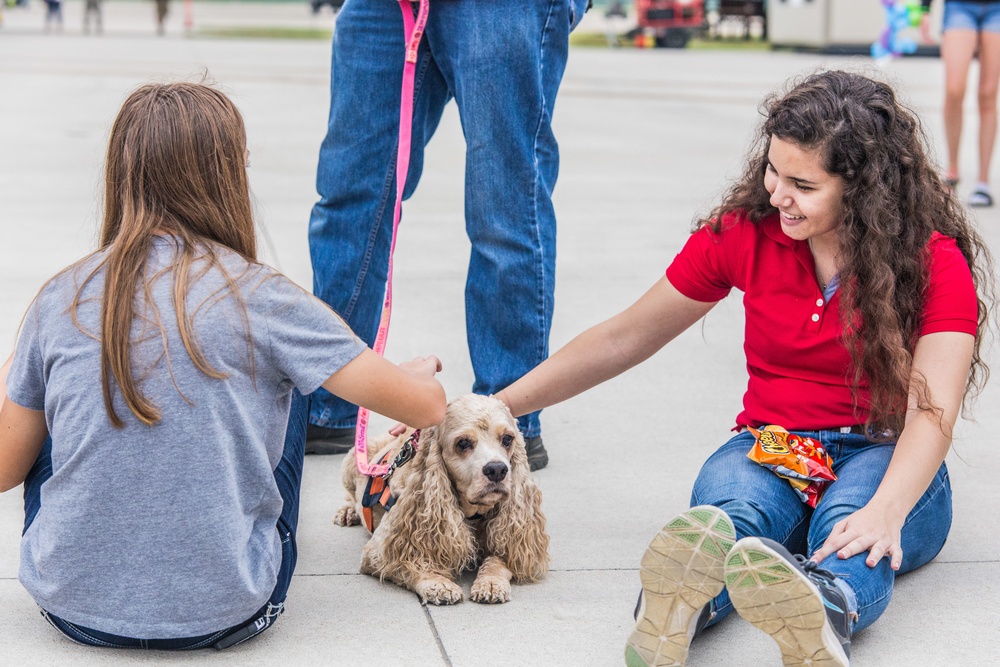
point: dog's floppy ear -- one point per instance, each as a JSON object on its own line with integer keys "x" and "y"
{"x": 426, "y": 530}
{"x": 517, "y": 534}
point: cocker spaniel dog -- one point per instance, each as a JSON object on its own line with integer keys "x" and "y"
{"x": 466, "y": 500}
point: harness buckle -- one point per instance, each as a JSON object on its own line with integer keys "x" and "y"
{"x": 406, "y": 453}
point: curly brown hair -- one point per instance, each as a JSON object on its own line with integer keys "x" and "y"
{"x": 893, "y": 200}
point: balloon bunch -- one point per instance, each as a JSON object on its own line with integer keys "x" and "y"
{"x": 899, "y": 15}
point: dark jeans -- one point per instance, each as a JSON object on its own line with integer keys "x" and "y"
{"x": 288, "y": 477}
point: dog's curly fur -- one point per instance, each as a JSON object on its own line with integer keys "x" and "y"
{"x": 467, "y": 499}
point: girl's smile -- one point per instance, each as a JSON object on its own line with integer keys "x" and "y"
{"x": 808, "y": 197}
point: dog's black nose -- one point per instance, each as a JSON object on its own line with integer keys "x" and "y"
{"x": 495, "y": 471}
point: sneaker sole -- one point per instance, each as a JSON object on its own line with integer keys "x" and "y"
{"x": 779, "y": 599}
{"x": 682, "y": 570}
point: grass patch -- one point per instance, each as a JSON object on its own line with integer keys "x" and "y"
{"x": 600, "y": 40}
{"x": 730, "y": 44}
{"x": 589, "y": 39}
{"x": 264, "y": 32}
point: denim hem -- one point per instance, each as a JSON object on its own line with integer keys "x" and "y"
{"x": 880, "y": 603}
{"x": 326, "y": 423}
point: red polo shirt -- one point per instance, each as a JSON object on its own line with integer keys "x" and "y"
{"x": 799, "y": 368}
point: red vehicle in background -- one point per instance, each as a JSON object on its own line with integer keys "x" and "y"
{"x": 671, "y": 23}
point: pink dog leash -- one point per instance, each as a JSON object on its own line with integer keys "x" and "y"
{"x": 413, "y": 28}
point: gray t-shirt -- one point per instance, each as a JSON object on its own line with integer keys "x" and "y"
{"x": 167, "y": 530}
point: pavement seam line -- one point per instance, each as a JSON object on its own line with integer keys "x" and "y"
{"x": 437, "y": 637}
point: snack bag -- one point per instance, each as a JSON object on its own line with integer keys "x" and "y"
{"x": 801, "y": 461}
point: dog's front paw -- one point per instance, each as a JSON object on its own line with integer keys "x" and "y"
{"x": 347, "y": 516}
{"x": 490, "y": 590}
{"x": 439, "y": 590}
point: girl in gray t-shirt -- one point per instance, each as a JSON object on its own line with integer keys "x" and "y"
{"x": 154, "y": 405}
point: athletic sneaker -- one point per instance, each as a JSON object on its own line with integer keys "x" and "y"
{"x": 681, "y": 572}
{"x": 791, "y": 599}
{"x": 981, "y": 197}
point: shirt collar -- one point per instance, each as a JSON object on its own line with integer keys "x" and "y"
{"x": 772, "y": 227}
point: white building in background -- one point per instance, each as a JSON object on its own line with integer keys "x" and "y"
{"x": 850, "y": 25}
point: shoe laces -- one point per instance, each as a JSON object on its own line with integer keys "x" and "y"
{"x": 814, "y": 571}
{"x": 826, "y": 579}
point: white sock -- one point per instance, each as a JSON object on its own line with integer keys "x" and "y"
{"x": 982, "y": 186}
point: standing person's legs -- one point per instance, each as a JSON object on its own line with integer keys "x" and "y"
{"x": 161, "y": 16}
{"x": 505, "y": 69}
{"x": 958, "y": 44}
{"x": 860, "y": 468}
{"x": 989, "y": 76}
{"x": 350, "y": 228}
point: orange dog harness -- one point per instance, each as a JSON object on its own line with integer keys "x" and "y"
{"x": 377, "y": 489}
{"x": 376, "y": 493}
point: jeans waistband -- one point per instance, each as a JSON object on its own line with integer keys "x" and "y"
{"x": 857, "y": 429}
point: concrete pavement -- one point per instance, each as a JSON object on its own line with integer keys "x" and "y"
{"x": 648, "y": 141}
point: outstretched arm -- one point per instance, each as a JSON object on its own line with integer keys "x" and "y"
{"x": 607, "y": 349}
{"x": 408, "y": 393}
{"x": 943, "y": 360}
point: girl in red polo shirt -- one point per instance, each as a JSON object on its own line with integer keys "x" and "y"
{"x": 865, "y": 288}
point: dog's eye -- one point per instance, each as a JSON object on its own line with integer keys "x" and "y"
{"x": 463, "y": 444}
{"x": 507, "y": 441}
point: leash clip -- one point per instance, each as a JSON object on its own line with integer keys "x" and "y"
{"x": 406, "y": 453}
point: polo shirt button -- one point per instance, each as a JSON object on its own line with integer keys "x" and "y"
{"x": 815, "y": 317}
{"x": 819, "y": 302}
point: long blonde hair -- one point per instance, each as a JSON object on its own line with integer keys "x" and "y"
{"x": 176, "y": 165}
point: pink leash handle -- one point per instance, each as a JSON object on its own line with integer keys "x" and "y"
{"x": 413, "y": 28}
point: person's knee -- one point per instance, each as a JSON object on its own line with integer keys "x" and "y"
{"x": 827, "y": 514}
{"x": 954, "y": 92}
{"x": 987, "y": 98}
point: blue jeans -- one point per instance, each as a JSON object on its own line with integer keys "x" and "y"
{"x": 762, "y": 504}
{"x": 976, "y": 16}
{"x": 503, "y": 67}
{"x": 288, "y": 477}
